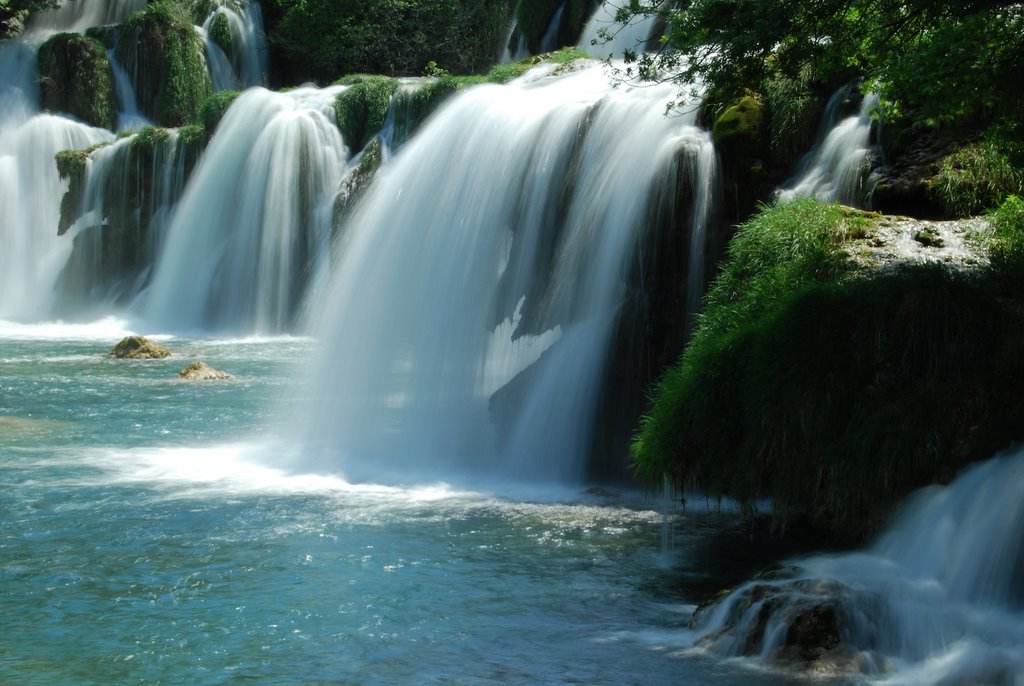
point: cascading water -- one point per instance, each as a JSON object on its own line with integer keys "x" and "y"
{"x": 603, "y": 36}
{"x": 837, "y": 169}
{"x": 479, "y": 281}
{"x": 30, "y": 188}
{"x": 255, "y": 217}
{"x": 245, "y": 63}
{"x": 130, "y": 190}
{"x": 938, "y": 599}
{"x": 78, "y": 15}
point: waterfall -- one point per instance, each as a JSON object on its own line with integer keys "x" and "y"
{"x": 937, "y": 599}
{"x": 129, "y": 117}
{"x": 246, "y": 65}
{"x": 255, "y": 216}
{"x": 631, "y": 36}
{"x": 30, "y": 189}
{"x": 478, "y": 284}
{"x": 838, "y": 166}
{"x": 78, "y": 15}
{"x": 130, "y": 190}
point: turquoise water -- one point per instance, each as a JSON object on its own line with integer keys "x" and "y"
{"x": 148, "y": 534}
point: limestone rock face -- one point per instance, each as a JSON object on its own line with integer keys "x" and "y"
{"x": 200, "y": 371}
{"x": 138, "y": 348}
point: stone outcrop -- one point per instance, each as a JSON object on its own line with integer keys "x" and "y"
{"x": 894, "y": 241}
{"x": 138, "y": 348}
{"x": 797, "y": 623}
{"x": 200, "y": 371}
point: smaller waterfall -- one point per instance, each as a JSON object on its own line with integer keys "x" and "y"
{"x": 78, "y": 15}
{"x": 129, "y": 117}
{"x": 30, "y": 188}
{"x": 255, "y": 217}
{"x": 938, "y": 598}
{"x": 130, "y": 189}
{"x": 245, "y": 63}
{"x": 837, "y": 169}
{"x": 634, "y": 35}
{"x": 19, "y": 92}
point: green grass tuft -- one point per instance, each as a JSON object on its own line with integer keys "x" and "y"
{"x": 976, "y": 178}
{"x": 834, "y": 394}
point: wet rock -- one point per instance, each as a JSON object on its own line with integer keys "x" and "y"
{"x": 893, "y": 241}
{"x": 200, "y": 371}
{"x": 138, "y": 348}
{"x": 798, "y": 623}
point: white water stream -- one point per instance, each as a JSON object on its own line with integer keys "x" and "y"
{"x": 500, "y": 237}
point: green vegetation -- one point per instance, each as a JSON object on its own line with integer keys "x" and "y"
{"x": 741, "y": 123}
{"x": 835, "y": 393}
{"x": 1006, "y": 249}
{"x": 362, "y": 108}
{"x": 503, "y": 73}
{"x": 14, "y": 12}
{"x": 75, "y": 77}
{"x": 213, "y": 109}
{"x": 71, "y": 166}
{"x": 978, "y": 177}
{"x": 161, "y": 45}
{"x": 220, "y": 34}
{"x": 933, "y": 62}
{"x": 387, "y": 37}
{"x": 534, "y": 17}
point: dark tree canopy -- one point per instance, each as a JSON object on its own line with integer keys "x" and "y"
{"x": 934, "y": 60}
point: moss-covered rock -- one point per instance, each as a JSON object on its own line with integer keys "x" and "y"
{"x": 213, "y": 109}
{"x": 414, "y": 103}
{"x": 220, "y": 34}
{"x": 138, "y": 348}
{"x": 362, "y": 108}
{"x": 75, "y": 77}
{"x": 741, "y": 125}
{"x": 357, "y": 180}
{"x": 836, "y": 392}
{"x": 71, "y": 166}
{"x": 139, "y": 175}
{"x": 161, "y": 48}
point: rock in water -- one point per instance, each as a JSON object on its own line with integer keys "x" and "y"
{"x": 200, "y": 371}
{"x": 138, "y": 348}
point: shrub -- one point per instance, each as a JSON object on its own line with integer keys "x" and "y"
{"x": 1006, "y": 249}
{"x": 976, "y": 178}
{"x": 213, "y": 109}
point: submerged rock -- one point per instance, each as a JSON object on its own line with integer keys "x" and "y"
{"x": 138, "y": 348}
{"x": 200, "y": 371}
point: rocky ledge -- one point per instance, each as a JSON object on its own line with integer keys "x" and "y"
{"x": 894, "y": 241}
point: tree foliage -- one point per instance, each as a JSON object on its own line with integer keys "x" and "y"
{"x": 934, "y": 61}
{"x": 391, "y": 37}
